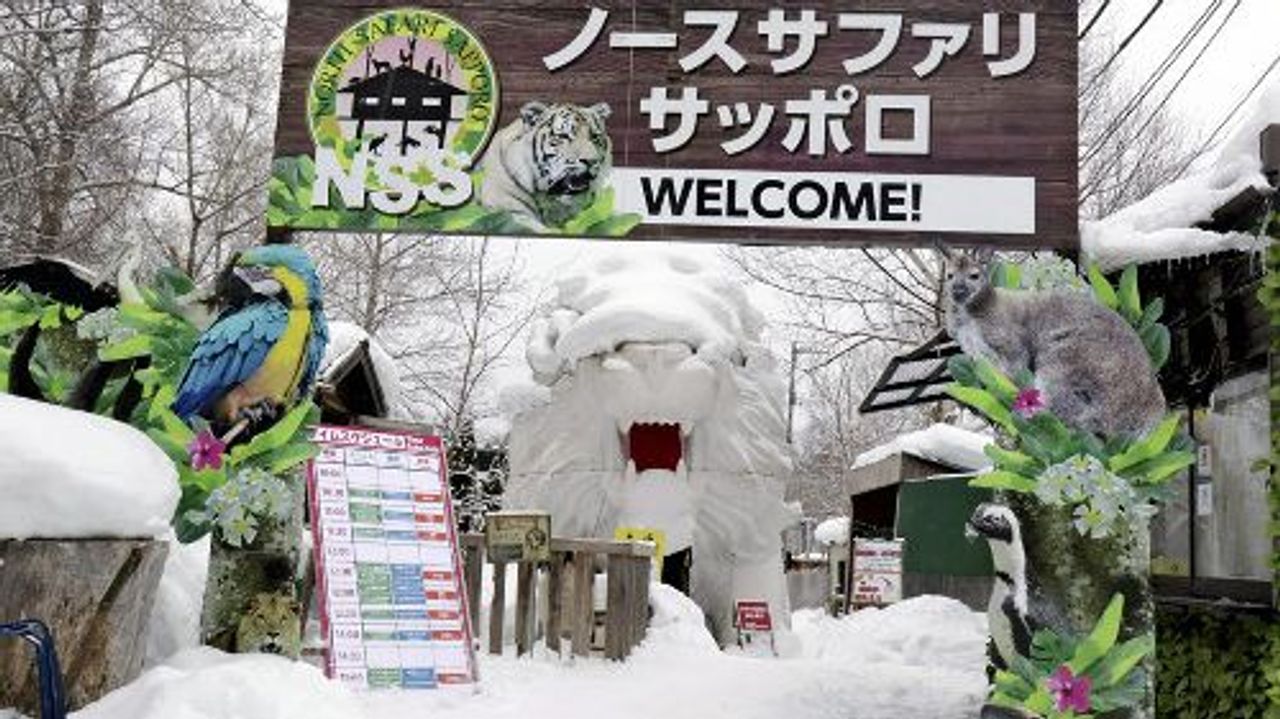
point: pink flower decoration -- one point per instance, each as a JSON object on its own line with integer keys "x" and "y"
{"x": 1070, "y": 691}
{"x": 1029, "y": 402}
{"x": 206, "y": 451}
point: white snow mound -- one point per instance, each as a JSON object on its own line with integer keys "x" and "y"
{"x": 832, "y": 531}
{"x": 69, "y": 474}
{"x": 1161, "y": 226}
{"x": 174, "y": 624}
{"x": 344, "y": 338}
{"x": 923, "y": 657}
{"x": 204, "y": 683}
{"x": 941, "y": 443}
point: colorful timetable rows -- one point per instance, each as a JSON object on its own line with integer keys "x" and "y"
{"x": 393, "y": 604}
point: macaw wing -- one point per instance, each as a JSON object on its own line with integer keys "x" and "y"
{"x": 316, "y": 345}
{"x": 228, "y": 353}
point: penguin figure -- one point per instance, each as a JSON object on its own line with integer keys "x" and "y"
{"x": 1016, "y": 611}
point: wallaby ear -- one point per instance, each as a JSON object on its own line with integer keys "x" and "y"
{"x": 601, "y": 110}
{"x": 943, "y": 249}
{"x": 984, "y": 254}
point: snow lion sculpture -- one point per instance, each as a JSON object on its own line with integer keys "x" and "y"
{"x": 661, "y": 410}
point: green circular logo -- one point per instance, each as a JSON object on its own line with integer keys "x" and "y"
{"x": 405, "y": 81}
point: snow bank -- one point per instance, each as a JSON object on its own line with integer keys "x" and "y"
{"x": 832, "y": 531}
{"x": 1161, "y": 225}
{"x": 207, "y": 684}
{"x": 174, "y": 624}
{"x": 344, "y": 338}
{"x": 941, "y": 443}
{"x": 924, "y": 657}
{"x": 922, "y": 631}
{"x": 70, "y": 474}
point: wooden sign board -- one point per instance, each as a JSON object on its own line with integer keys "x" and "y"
{"x": 517, "y": 536}
{"x": 391, "y": 596}
{"x": 832, "y": 123}
{"x": 876, "y": 572}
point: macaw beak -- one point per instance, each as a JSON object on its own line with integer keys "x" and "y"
{"x": 258, "y": 279}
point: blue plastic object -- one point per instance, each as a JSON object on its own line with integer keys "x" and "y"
{"x": 53, "y": 703}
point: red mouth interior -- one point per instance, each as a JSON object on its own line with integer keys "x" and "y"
{"x": 655, "y": 446}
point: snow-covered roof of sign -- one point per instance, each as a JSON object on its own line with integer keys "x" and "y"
{"x": 345, "y": 340}
{"x": 940, "y": 443}
{"x": 1162, "y": 226}
{"x": 67, "y": 474}
{"x": 832, "y": 531}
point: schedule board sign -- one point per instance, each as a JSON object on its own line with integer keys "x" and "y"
{"x": 829, "y": 122}
{"x": 392, "y": 599}
{"x": 876, "y": 574}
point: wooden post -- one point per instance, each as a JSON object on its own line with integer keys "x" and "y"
{"x": 526, "y": 604}
{"x": 95, "y": 595}
{"x": 617, "y": 618}
{"x": 583, "y": 611}
{"x": 496, "y": 609}
{"x": 640, "y": 608}
{"x": 555, "y": 601}
{"x": 473, "y": 568}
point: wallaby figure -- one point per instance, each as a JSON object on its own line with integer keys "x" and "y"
{"x": 1089, "y": 363}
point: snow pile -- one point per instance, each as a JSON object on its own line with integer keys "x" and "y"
{"x": 921, "y": 658}
{"x": 174, "y": 624}
{"x": 922, "y": 631}
{"x": 1161, "y": 225}
{"x": 70, "y": 474}
{"x": 205, "y": 683}
{"x": 344, "y": 339}
{"x": 941, "y": 443}
{"x": 832, "y": 531}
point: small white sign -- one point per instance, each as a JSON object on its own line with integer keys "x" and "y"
{"x": 1204, "y": 460}
{"x": 877, "y": 571}
{"x": 828, "y": 200}
{"x": 1204, "y": 499}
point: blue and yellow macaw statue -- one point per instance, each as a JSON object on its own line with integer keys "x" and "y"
{"x": 263, "y": 351}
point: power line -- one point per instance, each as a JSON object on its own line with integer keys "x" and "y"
{"x": 1125, "y": 43}
{"x": 1093, "y": 20}
{"x": 1213, "y": 136}
{"x": 1169, "y": 61}
{"x": 1165, "y": 100}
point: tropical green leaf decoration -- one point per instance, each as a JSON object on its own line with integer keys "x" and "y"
{"x": 1097, "y": 671}
{"x": 156, "y": 330}
{"x": 289, "y": 191}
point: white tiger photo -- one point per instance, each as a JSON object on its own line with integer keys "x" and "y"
{"x": 548, "y": 166}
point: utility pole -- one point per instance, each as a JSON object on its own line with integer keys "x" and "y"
{"x": 791, "y": 389}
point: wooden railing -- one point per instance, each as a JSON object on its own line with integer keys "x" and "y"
{"x": 572, "y": 567}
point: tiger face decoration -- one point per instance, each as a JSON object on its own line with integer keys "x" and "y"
{"x": 547, "y": 166}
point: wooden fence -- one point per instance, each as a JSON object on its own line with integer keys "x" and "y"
{"x": 572, "y": 567}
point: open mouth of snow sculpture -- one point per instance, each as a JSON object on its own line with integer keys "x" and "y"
{"x": 654, "y": 445}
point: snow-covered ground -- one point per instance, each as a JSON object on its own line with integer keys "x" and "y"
{"x": 921, "y": 659}
{"x": 68, "y": 474}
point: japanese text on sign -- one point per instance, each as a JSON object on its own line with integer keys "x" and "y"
{"x": 817, "y": 122}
